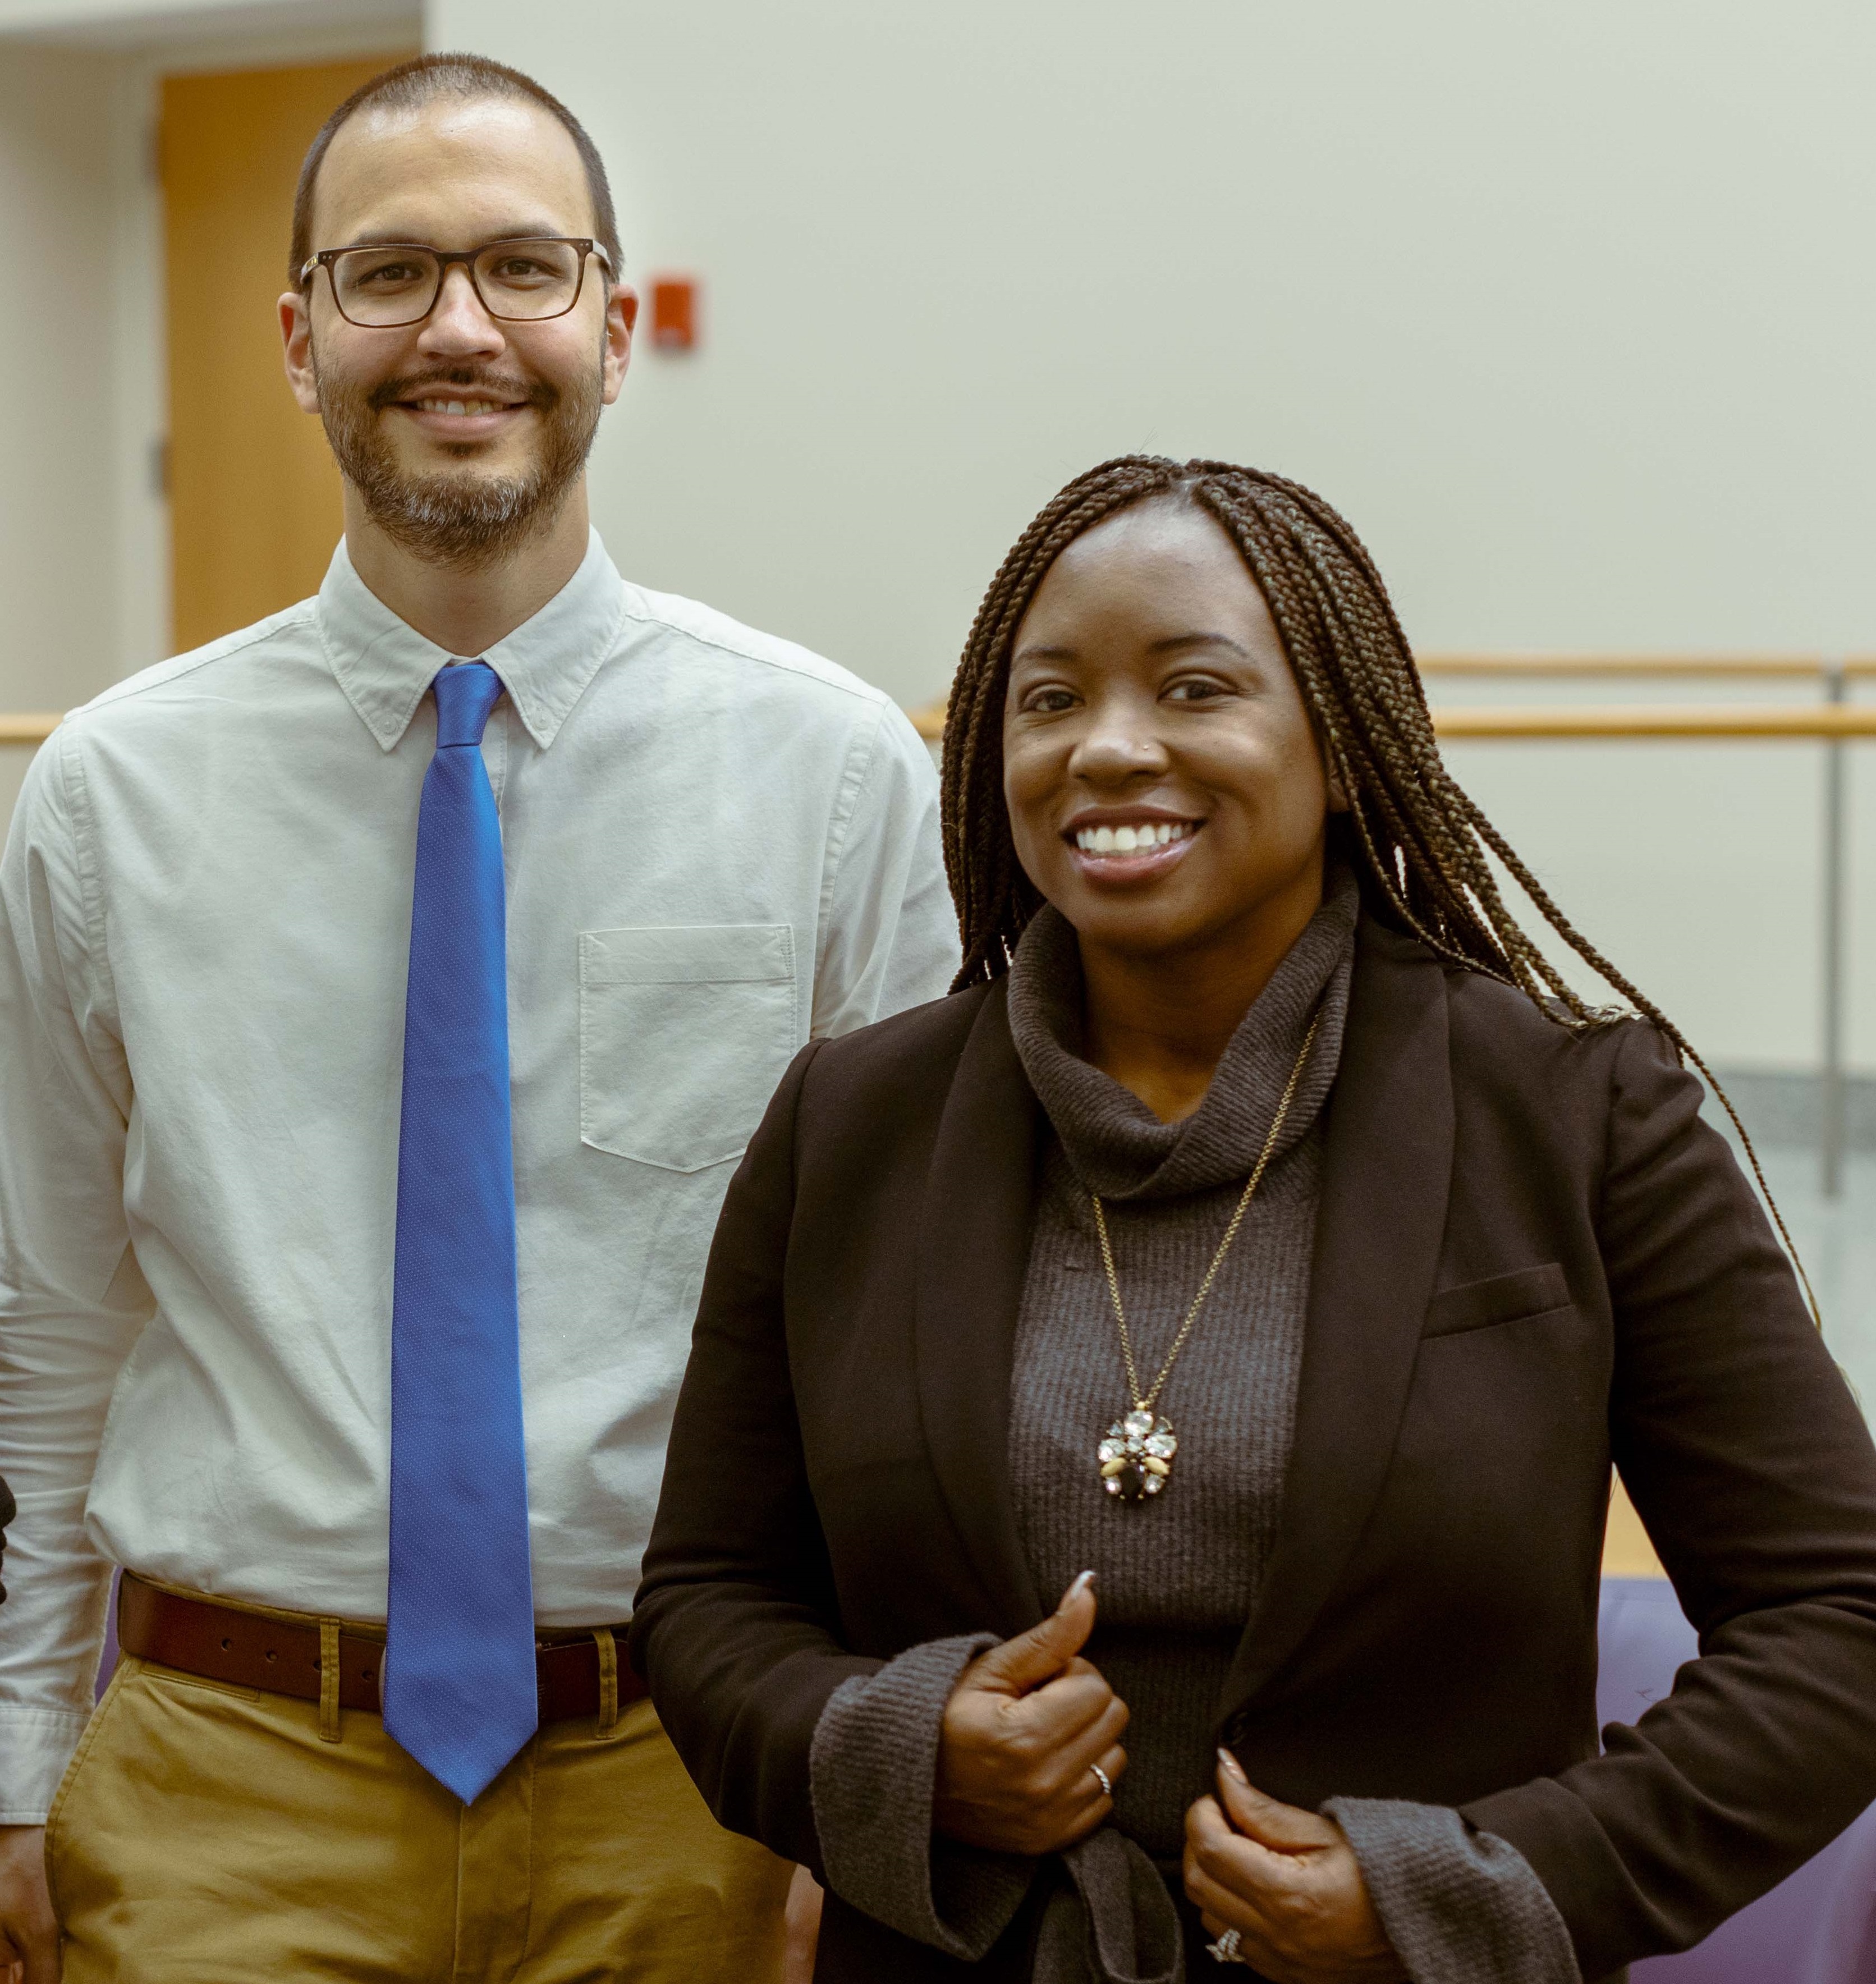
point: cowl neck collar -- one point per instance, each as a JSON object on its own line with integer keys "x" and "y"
{"x": 1113, "y": 1142}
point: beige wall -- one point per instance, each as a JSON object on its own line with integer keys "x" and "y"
{"x": 58, "y": 539}
{"x": 83, "y": 544}
{"x": 1567, "y": 308}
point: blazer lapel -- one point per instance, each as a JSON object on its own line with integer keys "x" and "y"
{"x": 1386, "y": 1169}
{"x": 973, "y": 1246}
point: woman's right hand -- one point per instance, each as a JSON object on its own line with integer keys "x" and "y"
{"x": 1025, "y": 1724}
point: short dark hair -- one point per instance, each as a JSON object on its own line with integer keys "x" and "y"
{"x": 423, "y": 80}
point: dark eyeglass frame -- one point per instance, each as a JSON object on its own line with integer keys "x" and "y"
{"x": 444, "y": 258}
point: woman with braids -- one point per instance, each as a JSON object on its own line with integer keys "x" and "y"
{"x": 1266, "y": 1250}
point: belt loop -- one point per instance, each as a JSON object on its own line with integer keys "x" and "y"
{"x": 329, "y": 1680}
{"x": 608, "y": 1680}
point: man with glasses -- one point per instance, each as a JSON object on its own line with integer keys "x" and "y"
{"x": 386, "y": 992}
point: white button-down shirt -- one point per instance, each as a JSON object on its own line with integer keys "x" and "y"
{"x": 717, "y": 844}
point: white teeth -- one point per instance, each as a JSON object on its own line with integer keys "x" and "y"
{"x": 458, "y": 406}
{"x": 1130, "y": 840}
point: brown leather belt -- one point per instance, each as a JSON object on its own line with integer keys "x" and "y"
{"x": 228, "y": 1643}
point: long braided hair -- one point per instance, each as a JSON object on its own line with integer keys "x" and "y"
{"x": 1418, "y": 843}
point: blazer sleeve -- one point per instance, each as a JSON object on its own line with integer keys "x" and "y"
{"x": 1748, "y": 1460}
{"x": 735, "y": 1626}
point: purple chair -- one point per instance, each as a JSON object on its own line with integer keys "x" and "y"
{"x": 107, "y": 1663}
{"x": 1816, "y": 1927}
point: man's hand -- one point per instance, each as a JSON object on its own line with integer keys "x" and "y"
{"x": 1287, "y": 1881}
{"x": 1025, "y": 1724}
{"x": 29, "y": 1931}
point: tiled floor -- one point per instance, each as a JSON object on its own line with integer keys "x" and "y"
{"x": 1837, "y": 1239}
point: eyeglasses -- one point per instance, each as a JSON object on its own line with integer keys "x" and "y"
{"x": 397, "y": 282}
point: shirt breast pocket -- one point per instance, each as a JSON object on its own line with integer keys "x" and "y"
{"x": 684, "y": 1031}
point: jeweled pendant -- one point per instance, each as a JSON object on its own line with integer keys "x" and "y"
{"x": 1136, "y": 1458}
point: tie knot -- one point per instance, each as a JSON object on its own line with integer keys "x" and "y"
{"x": 465, "y": 694}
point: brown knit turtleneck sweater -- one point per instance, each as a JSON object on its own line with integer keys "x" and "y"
{"x": 1179, "y": 1574}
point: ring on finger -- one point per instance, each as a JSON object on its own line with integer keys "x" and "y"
{"x": 1225, "y": 1949}
{"x": 1102, "y": 1778}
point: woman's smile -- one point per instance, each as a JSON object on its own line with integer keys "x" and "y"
{"x": 1128, "y": 846}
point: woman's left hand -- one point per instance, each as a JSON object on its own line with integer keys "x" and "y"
{"x": 1287, "y": 1881}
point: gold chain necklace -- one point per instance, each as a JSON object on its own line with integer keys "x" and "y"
{"x": 1136, "y": 1458}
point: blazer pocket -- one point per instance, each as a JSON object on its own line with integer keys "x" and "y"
{"x": 684, "y": 1031}
{"x": 1500, "y": 1298}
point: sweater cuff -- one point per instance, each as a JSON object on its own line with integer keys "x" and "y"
{"x": 1460, "y": 1906}
{"x": 872, "y": 1771}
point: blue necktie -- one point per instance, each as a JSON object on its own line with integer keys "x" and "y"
{"x": 459, "y": 1676}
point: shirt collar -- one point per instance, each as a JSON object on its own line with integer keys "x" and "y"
{"x": 385, "y": 666}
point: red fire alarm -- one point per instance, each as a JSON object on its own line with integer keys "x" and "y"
{"x": 674, "y": 314}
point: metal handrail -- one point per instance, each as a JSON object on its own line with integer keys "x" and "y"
{"x": 1608, "y": 721}
{"x": 1510, "y": 721}
{"x": 34, "y": 729}
{"x": 1768, "y": 667}
{"x": 1669, "y": 719}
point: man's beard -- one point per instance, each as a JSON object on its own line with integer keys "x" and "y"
{"x": 467, "y": 522}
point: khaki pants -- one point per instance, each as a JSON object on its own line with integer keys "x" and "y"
{"x": 207, "y": 1834}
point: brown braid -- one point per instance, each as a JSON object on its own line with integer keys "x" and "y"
{"x": 1422, "y": 842}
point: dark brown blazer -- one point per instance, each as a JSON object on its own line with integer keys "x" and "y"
{"x": 1532, "y": 1257}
